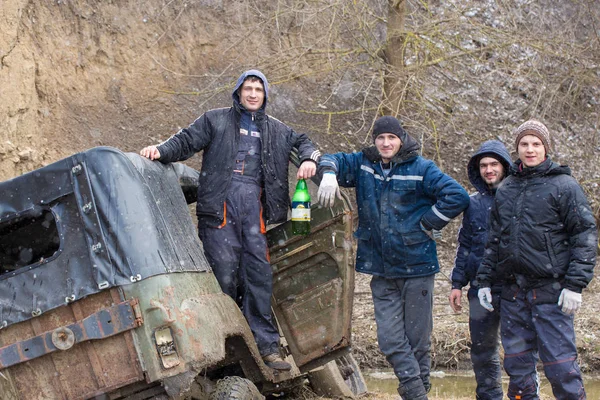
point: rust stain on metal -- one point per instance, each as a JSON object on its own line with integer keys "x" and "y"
{"x": 137, "y": 312}
{"x": 169, "y": 291}
{"x": 85, "y": 370}
{"x": 158, "y": 305}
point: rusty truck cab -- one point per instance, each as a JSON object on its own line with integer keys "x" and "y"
{"x": 105, "y": 290}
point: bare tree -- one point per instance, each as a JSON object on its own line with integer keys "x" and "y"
{"x": 393, "y": 87}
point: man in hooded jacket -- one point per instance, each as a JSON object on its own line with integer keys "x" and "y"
{"x": 243, "y": 186}
{"x": 403, "y": 200}
{"x": 542, "y": 246}
{"x": 486, "y": 170}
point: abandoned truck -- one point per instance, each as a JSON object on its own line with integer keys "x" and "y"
{"x": 105, "y": 292}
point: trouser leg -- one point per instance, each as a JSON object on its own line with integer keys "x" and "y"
{"x": 556, "y": 342}
{"x": 419, "y": 317}
{"x": 519, "y": 340}
{"x": 484, "y": 327}
{"x": 403, "y": 312}
{"x": 238, "y": 255}
{"x": 259, "y": 280}
{"x": 223, "y": 250}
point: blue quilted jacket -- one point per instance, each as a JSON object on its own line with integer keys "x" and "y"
{"x": 391, "y": 242}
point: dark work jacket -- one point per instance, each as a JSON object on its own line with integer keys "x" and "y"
{"x": 473, "y": 233}
{"x": 217, "y": 134}
{"x": 542, "y": 231}
{"x": 391, "y": 242}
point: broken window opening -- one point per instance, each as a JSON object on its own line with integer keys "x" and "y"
{"x": 27, "y": 240}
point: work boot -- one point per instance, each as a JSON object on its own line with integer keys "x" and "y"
{"x": 275, "y": 361}
{"x": 413, "y": 390}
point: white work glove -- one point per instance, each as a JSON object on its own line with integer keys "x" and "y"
{"x": 485, "y": 298}
{"x": 433, "y": 234}
{"x": 570, "y": 301}
{"x": 328, "y": 189}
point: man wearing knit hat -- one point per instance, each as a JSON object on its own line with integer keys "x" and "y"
{"x": 542, "y": 245}
{"x": 404, "y": 200}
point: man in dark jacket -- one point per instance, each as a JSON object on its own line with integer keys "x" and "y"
{"x": 542, "y": 245}
{"x": 486, "y": 169}
{"x": 403, "y": 200}
{"x": 244, "y": 173}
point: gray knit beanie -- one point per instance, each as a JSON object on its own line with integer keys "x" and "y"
{"x": 535, "y": 128}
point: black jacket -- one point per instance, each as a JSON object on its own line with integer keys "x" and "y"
{"x": 217, "y": 133}
{"x": 473, "y": 232}
{"x": 542, "y": 231}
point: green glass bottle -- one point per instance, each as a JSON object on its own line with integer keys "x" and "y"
{"x": 301, "y": 209}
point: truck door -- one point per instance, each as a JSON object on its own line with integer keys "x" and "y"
{"x": 313, "y": 282}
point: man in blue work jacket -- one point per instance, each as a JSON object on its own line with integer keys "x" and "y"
{"x": 404, "y": 200}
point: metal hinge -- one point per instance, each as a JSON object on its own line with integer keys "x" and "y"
{"x": 137, "y": 312}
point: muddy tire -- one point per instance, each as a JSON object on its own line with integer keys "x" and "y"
{"x": 235, "y": 388}
{"x": 340, "y": 378}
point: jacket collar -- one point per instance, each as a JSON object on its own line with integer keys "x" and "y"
{"x": 547, "y": 167}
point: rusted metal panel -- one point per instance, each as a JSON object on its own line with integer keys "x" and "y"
{"x": 313, "y": 321}
{"x": 82, "y": 371}
{"x": 99, "y": 325}
{"x": 201, "y": 318}
{"x": 313, "y": 284}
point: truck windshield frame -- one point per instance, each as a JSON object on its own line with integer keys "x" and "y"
{"x": 27, "y": 240}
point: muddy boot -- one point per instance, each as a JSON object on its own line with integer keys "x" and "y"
{"x": 275, "y": 361}
{"x": 413, "y": 390}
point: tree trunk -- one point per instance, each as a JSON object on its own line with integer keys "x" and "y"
{"x": 394, "y": 56}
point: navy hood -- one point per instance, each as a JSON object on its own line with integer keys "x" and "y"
{"x": 240, "y": 81}
{"x": 491, "y": 148}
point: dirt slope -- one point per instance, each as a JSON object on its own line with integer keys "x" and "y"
{"x": 82, "y": 73}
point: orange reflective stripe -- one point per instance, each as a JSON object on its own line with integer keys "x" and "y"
{"x": 224, "y": 216}
{"x": 263, "y": 228}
